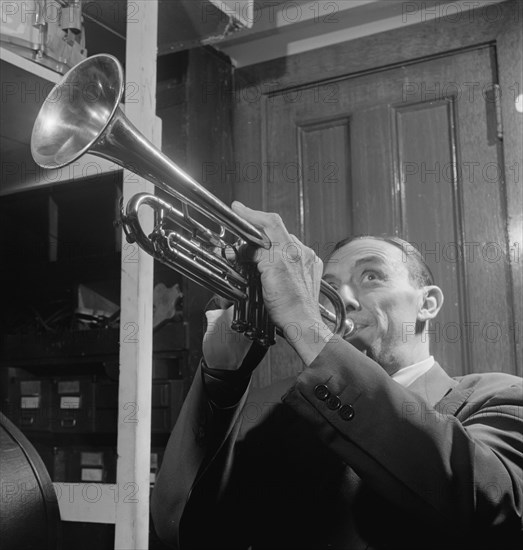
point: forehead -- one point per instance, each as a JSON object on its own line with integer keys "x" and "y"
{"x": 365, "y": 251}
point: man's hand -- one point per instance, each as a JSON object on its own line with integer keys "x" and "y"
{"x": 291, "y": 277}
{"x": 223, "y": 348}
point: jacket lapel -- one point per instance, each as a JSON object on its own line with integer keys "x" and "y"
{"x": 433, "y": 385}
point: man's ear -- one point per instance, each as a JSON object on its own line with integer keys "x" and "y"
{"x": 432, "y": 300}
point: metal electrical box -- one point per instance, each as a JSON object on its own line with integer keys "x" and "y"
{"x": 49, "y": 32}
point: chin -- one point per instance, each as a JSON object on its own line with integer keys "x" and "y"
{"x": 358, "y": 343}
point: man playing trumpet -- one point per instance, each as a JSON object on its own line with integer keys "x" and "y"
{"x": 373, "y": 445}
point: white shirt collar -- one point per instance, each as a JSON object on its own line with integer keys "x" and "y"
{"x": 407, "y": 375}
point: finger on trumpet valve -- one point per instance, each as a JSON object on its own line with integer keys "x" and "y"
{"x": 240, "y": 314}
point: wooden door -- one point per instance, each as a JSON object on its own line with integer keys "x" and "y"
{"x": 414, "y": 151}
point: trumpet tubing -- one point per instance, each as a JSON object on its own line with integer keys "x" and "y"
{"x": 82, "y": 115}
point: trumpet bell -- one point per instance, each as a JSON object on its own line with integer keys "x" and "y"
{"x": 81, "y": 115}
{"x": 77, "y": 111}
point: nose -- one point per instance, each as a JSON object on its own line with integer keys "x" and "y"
{"x": 349, "y": 299}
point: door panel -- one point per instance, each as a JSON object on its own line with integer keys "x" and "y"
{"x": 325, "y": 182}
{"x": 430, "y": 209}
{"x": 409, "y": 151}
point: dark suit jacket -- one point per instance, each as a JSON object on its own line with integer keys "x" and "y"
{"x": 437, "y": 465}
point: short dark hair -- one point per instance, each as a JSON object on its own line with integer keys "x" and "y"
{"x": 419, "y": 272}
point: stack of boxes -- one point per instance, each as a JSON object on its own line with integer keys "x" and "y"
{"x": 82, "y": 405}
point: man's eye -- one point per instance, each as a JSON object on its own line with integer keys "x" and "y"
{"x": 370, "y": 276}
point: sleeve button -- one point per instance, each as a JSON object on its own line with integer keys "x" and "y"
{"x": 346, "y": 412}
{"x": 333, "y": 403}
{"x": 322, "y": 392}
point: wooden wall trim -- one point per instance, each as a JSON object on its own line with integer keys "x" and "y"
{"x": 510, "y": 64}
{"x": 408, "y": 44}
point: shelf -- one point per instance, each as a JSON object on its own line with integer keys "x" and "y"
{"x": 81, "y": 346}
{"x": 64, "y": 272}
{"x": 29, "y": 66}
{"x": 24, "y": 175}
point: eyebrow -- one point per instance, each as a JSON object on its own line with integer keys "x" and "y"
{"x": 370, "y": 259}
{"x": 366, "y": 260}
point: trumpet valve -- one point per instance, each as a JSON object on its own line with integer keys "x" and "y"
{"x": 239, "y": 325}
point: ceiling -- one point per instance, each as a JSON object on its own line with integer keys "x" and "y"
{"x": 112, "y": 14}
{"x": 182, "y": 24}
{"x": 275, "y": 28}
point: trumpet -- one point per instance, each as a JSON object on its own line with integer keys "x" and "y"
{"x": 82, "y": 115}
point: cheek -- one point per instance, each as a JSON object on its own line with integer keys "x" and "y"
{"x": 380, "y": 314}
{"x": 393, "y": 312}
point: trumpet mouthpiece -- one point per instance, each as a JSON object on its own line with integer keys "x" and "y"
{"x": 350, "y": 327}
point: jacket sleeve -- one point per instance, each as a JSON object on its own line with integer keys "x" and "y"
{"x": 450, "y": 471}
{"x": 199, "y": 447}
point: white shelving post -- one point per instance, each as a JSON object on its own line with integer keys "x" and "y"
{"x": 134, "y": 418}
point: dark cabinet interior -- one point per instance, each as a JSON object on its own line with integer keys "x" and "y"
{"x": 60, "y": 336}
